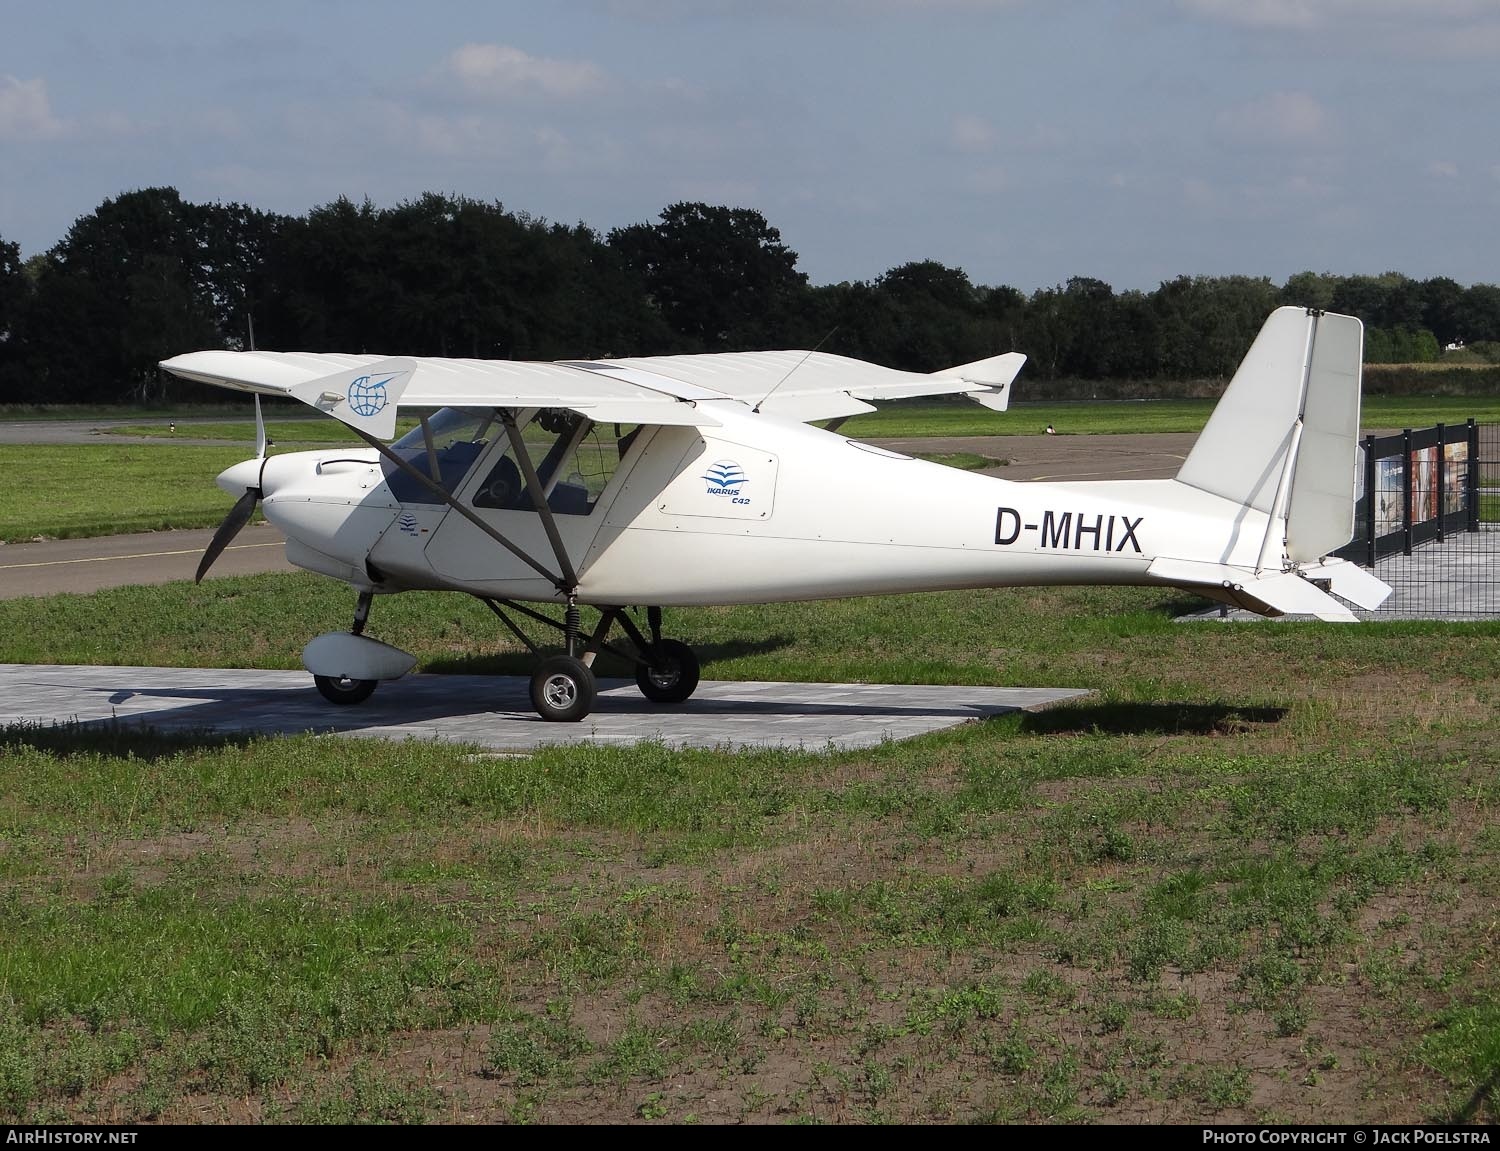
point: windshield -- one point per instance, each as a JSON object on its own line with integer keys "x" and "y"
{"x": 458, "y": 437}
{"x": 449, "y": 425}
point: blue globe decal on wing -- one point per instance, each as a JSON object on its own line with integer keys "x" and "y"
{"x": 367, "y": 399}
{"x": 724, "y": 478}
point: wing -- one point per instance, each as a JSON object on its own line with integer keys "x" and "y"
{"x": 819, "y": 386}
{"x": 366, "y": 391}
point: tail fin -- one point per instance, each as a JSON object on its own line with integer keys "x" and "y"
{"x": 1284, "y": 439}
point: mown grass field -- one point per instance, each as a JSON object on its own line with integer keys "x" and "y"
{"x": 68, "y": 490}
{"x": 302, "y": 433}
{"x": 1252, "y": 879}
{"x": 962, "y": 418}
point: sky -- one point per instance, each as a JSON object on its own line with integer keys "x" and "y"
{"x": 1024, "y": 141}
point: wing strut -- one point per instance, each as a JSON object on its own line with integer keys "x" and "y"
{"x": 539, "y": 499}
{"x": 443, "y": 494}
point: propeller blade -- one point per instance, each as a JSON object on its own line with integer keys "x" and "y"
{"x": 238, "y": 517}
{"x": 260, "y": 432}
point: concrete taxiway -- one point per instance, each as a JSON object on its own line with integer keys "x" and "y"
{"x": 87, "y": 565}
{"x": 494, "y": 711}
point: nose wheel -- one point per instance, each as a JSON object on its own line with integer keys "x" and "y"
{"x": 344, "y": 691}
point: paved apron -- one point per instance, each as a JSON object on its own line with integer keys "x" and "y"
{"x": 495, "y": 712}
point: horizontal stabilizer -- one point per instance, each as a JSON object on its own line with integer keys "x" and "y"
{"x": 1289, "y": 594}
{"x": 1351, "y": 582}
{"x": 1274, "y": 593}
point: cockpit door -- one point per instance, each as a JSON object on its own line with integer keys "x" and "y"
{"x": 581, "y": 466}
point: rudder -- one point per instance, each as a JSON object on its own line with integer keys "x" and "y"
{"x": 1284, "y": 438}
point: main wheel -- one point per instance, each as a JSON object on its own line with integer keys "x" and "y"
{"x": 344, "y": 691}
{"x": 562, "y": 690}
{"x": 670, "y": 674}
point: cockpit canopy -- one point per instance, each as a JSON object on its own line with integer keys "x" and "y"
{"x": 574, "y": 458}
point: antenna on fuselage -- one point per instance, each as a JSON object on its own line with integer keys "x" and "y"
{"x": 794, "y": 367}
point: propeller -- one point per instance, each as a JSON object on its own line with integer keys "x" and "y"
{"x": 244, "y": 507}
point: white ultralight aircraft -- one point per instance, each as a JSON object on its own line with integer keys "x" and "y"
{"x": 697, "y": 479}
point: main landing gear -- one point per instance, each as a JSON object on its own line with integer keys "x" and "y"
{"x": 563, "y": 689}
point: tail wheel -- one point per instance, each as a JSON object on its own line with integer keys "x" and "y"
{"x": 344, "y": 691}
{"x": 670, "y": 673}
{"x": 562, "y": 690}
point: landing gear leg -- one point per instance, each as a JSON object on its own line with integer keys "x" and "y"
{"x": 563, "y": 688}
{"x": 362, "y": 611}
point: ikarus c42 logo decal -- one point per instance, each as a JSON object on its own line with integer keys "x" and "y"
{"x": 726, "y": 478}
{"x": 723, "y": 481}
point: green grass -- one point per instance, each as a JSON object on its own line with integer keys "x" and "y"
{"x": 961, "y": 418}
{"x": 967, "y": 461}
{"x": 15, "y": 412}
{"x": 306, "y": 432}
{"x": 1396, "y": 412}
{"x": 65, "y": 491}
{"x": 301, "y": 433}
{"x": 1250, "y": 877}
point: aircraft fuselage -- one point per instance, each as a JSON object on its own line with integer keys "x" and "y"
{"x": 758, "y": 509}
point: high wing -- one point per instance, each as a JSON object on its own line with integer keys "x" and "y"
{"x": 819, "y": 386}
{"x": 365, "y": 391}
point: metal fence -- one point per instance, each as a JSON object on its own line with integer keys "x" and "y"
{"x": 1426, "y": 514}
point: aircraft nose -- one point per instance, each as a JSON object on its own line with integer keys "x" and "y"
{"x": 239, "y": 478}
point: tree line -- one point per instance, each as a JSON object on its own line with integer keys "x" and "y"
{"x": 147, "y": 275}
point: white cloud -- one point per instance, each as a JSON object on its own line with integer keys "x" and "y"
{"x": 25, "y": 111}
{"x": 1280, "y": 117}
{"x": 972, "y": 134}
{"x": 1446, "y": 169}
{"x": 679, "y": 10}
{"x": 1326, "y": 13}
{"x": 501, "y": 70}
{"x": 989, "y": 180}
{"x": 1436, "y": 28}
{"x": 1258, "y": 13}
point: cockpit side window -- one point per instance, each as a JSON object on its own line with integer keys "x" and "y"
{"x": 574, "y": 458}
